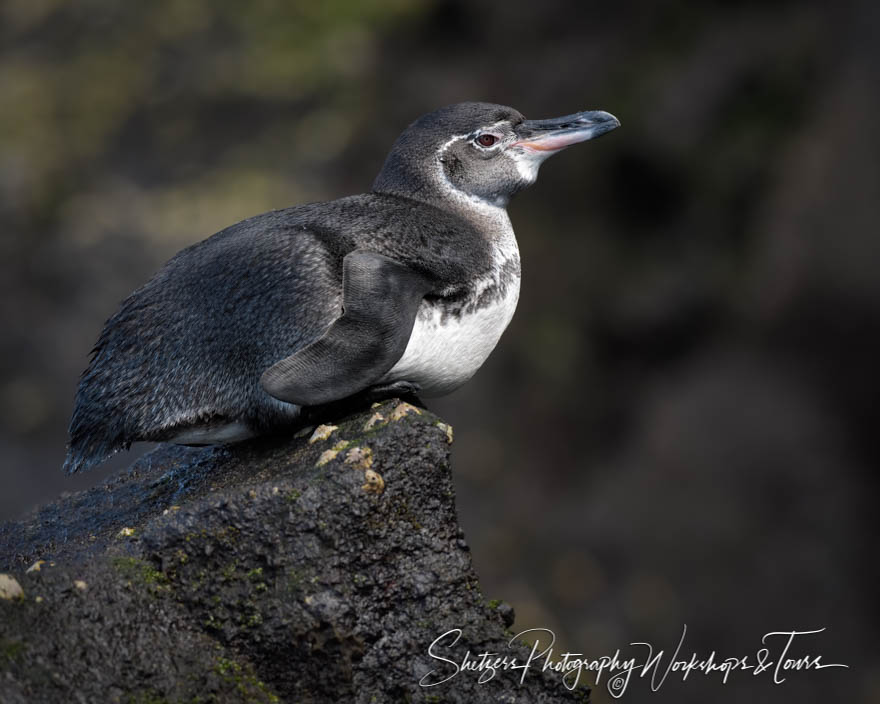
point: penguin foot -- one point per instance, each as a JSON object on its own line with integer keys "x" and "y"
{"x": 397, "y": 389}
{"x": 313, "y": 415}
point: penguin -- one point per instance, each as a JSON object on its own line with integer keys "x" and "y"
{"x": 404, "y": 290}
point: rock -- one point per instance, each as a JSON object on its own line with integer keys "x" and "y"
{"x": 10, "y": 588}
{"x": 255, "y": 574}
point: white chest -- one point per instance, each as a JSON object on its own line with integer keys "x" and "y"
{"x": 446, "y": 348}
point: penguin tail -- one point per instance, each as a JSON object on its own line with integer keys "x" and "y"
{"x": 85, "y": 453}
{"x": 97, "y": 432}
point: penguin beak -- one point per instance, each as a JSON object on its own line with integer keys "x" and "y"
{"x": 560, "y": 132}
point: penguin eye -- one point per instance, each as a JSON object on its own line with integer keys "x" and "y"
{"x": 486, "y": 139}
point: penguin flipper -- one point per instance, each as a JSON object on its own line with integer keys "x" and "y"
{"x": 380, "y": 298}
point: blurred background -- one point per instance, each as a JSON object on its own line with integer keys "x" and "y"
{"x": 680, "y": 425}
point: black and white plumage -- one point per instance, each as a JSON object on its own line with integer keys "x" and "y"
{"x": 411, "y": 284}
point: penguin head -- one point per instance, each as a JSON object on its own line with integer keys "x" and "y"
{"x": 480, "y": 151}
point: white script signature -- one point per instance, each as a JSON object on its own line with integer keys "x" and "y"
{"x": 777, "y": 658}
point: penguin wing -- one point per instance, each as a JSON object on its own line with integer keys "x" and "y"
{"x": 380, "y": 298}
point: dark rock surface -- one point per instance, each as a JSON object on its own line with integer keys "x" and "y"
{"x": 272, "y": 571}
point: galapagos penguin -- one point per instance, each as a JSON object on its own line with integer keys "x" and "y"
{"x": 404, "y": 289}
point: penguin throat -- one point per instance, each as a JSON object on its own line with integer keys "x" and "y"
{"x": 465, "y": 200}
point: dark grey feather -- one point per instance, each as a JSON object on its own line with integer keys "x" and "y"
{"x": 380, "y": 300}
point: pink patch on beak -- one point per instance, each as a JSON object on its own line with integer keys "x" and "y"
{"x": 552, "y": 143}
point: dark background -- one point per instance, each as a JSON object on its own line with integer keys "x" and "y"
{"x": 679, "y": 426}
